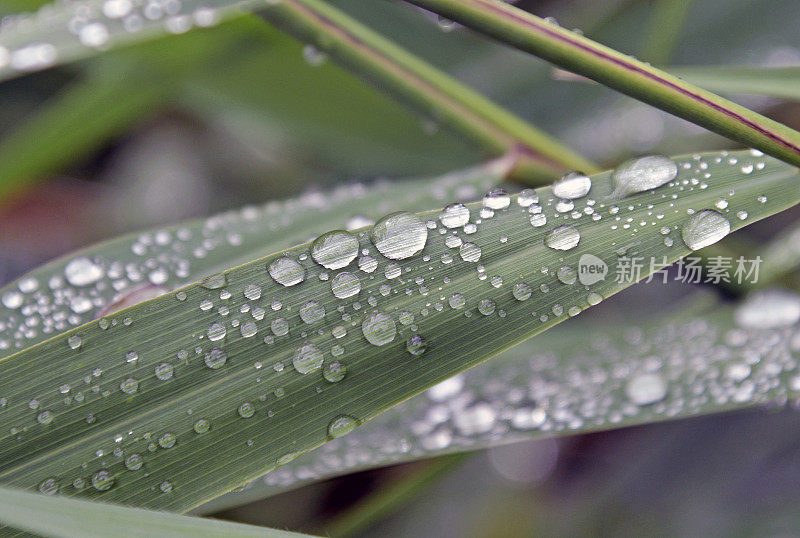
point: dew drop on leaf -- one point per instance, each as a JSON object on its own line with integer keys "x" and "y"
{"x": 82, "y": 272}
{"x": 341, "y": 425}
{"x": 641, "y": 174}
{"x": 215, "y": 359}
{"x": 563, "y": 238}
{"x": 416, "y": 345}
{"x": 572, "y": 185}
{"x": 286, "y": 271}
{"x": 307, "y": 359}
{"x": 399, "y": 236}
{"x": 704, "y": 228}
{"x": 345, "y": 285}
{"x": 454, "y": 216}
{"x": 644, "y": 389}
{"x": 335, "y": 250}
{"x": 770, "y": 309}
{"x": 102, "y": 480}
{"x": 379, "y": 329}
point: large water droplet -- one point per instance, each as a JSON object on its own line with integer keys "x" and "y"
{"x": 341, "y": 425}
{"x": 645, "y": 389}
{"x": 705, "y": 228}
{"x": 770, "y": 309}
{"x": 335, "y": 250}
{"x": 286, "y": 271}
{"x": 82, "y": 272}
{"x": 641, "y": 174}
{"x": 307, "y": 359}
{"x": 572, "y": 185}
{"x": 379, "y": 329}
{"x": 399, "y": 235}
{"x": 563, "y": 238}
{"x": 454, "y": 216}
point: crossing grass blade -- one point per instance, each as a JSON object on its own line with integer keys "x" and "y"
{"x": 212, "y": 385}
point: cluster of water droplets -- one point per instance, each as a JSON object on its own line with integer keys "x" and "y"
{"x": 352, "y": 300}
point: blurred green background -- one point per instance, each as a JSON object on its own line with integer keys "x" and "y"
{"x": 190, "y": 125}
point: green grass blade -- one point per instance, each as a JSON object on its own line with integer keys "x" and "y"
{"x": 583, "y": 56}
{"x": 190, "y": 251}
{"x": 214, "y": 384}
{"x": 573, "y": 379}
{"x": 62, "y": 517}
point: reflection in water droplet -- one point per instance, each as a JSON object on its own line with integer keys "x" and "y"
{"x": 572, "y": 185}
{"x": 335, "y": 250}
{"x": 454, "y": 216}
{"x": 399, "y": 235}
{"x": 341, "y": 425}
{"x": 378, "y": 328}
{"x": 641, "y": 174}
{"x": 563, "y": 238}
{"x": 286, "y": 271}
{"x": 704, "y": 228}
{"x": 416, "y": 345}
{"x": 307, "y": 359}
{"x": 345, "y": 285}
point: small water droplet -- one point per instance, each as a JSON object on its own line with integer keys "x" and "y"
{"x": 469, "y": 252}
{"x": 416, "y": 345}
{"x": 129, "y": 386}
{"x": 496, "y": 199}
{"x": 74, "y": 341}
{"x": 202, "y": 425}
{"x": 527, "y": 197}
{"x": 335, "y": 250}
{"x": 216, "y": 332}
{"x": 567, "y": 275}
{"x": 82, "y": 272}
{"x": 312, "y": 312}
{"x": 246, "y": 410}
{"x": 334, "y": 371}
{"x": 307, "y": 359}
{"x": 167, "y": 440}
{"x": 563, "y": 238}
{"x": 486, "y": 307}
{"x": 454, "y": 216}
{"x": 341, "y": 425}
{"x": 215, "y": 359}
{"x": 102, "y": 480}
{"x": 345, "y": 285}
{"x": 572, "y": 185}
{"x": 286, "y": 271}
{"x": 133, "y": 462}
{"x": 521, "y": 291}
{"x": 644, "y": 389}
{"x": 378, "y": 328}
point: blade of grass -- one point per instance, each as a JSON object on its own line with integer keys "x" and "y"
{"x": 62, "y": 517}
{"x": 780, "y": 82}
{"x": 585, "y": 57}
{"x": 177, "y": 389}
{"x": 664, "y": 30}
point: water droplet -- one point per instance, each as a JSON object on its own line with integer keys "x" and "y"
{"x": 312, "y": 312}
{"x": 74, "y": 341}
{"x": 279, "y": 326}
{"x": 49, "y": 486}
{"x": 496, "y": 199}
{"x": 313, "y": 56}
{"x": 216, "y": 332}
{"x": 454, "y": 216}
{"x": 521, "y": 291}
{"x": 165, "y": 487}
{"x": 457, "y": 301}
{"x": 399, "y": 235}
{"x": 102, "y": 480}
{"x": 307, "y": 359}
{"x": 334, "y": 371}
{"x": 538, "y": 219}
{"x": 345, "y": 285}
{"x": 378, "y": 328}
{"x": 572, "y": 185}
{"x": 252, "y": 292}
{"x": 286, "y": 271}
{"x": 202, "y": 425}
{"x": 246, "y": 410}
{"x": 341, "y": 425}
{"x": 527, "y": 197}
{"x": 641, "y": 174}
{"x": 248, "y": 329}
{"x": 129, "y": 386}
{"x": 770, "y": 309}
{"x": 416, "y": 345}
{"x": 645, "y": 389}
{"x": 368, "y": 264}
{"x": 12, "y": 299}
{"x": 563, "y": 238}
{"x": 167, "y": 440}
{"x": 469, "y": 252}
{"x": 133, "y": 462}
{"x": 567, "y": 275}
{"x": 705, "y": 228}
{"x": 164, "y": 371}
{"x": 335, "y": 250}
{"x": 486, "y": 307}
{"x": 215, "y": 359}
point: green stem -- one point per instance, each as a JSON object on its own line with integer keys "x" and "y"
{"x": 583, "y": 56}
{"x": 496, "y": 131}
